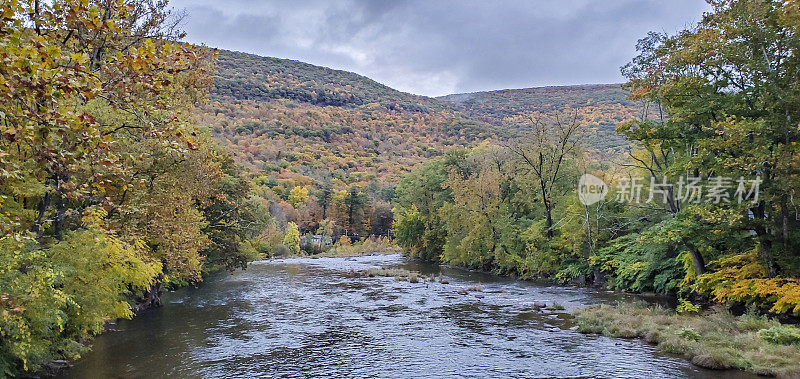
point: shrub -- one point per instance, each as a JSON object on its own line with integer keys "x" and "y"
{"x": 634, "y": 266}
{"x": 371, "y": 245}
{"x": 781, "y": 335}
{"x": 344, "y": 241}
{"x": 689, "y": 333}
{"x": 741, "y": 279}
{"x": 686, "y": 306}
{"x": 281, "y": 251}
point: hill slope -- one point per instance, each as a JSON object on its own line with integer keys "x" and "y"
{"x": 250, "y": 77}
{"x": 601, "y": 107}
{"x": 281, "y": 115}
{"x": 295, "y": 120}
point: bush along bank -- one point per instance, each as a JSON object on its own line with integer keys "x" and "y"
{"x": 714, "y": 339}
{"x": 700, "y": 205}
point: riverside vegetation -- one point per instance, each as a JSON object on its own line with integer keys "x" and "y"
{"x": 108, "y": 190}
{"x": 716, "y": 340}
{"x": 720, "y": 100}
{"x": 131, "y": 162}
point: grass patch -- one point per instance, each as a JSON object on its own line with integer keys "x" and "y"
{"x": 556, "y": 307}
{"x": 781, "y": 335}
{"x": 369, "y": 246}
{"x": 397, "y": 273}
{"x": 715, "y": 339}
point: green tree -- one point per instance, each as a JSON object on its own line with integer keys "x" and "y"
{"x": 549, "y": 147}
{"x": 357, "y": 204}
{"x": 419, "y": 196}
{"x": 421, "y": 237}
{"x": 729, "y": 89}
{"x": 482, "y": 231}
{"x": 292, "y": 238}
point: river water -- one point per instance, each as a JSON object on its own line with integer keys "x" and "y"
{"x": 310, "y": 317}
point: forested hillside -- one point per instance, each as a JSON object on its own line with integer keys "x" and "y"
{"x": 243, "y": 76}
{"x": 601, "y": 108}
{"x": 279, "y": 114}
{"x": 702, "y": 206}
{"x": 317, "y": 131}
{"x": 284, "y": 116}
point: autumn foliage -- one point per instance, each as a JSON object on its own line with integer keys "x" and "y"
{"x": 107, "y": 187}
{"x": 719, "y": 99}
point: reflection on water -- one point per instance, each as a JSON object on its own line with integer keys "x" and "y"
{"x": 308, "y": 317}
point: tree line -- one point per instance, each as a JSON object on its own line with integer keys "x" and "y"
{"x": 112, "y": 188}
{"x": 108, "y": 188}
{"x": 720, "y": 107}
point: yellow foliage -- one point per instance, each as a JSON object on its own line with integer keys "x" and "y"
{"x": 292, "y": 238}
{"x": 298, "y": 195}
{"x": 742, "y": 279}
{"x": 97, "y": 271}
{"x": 344, "y": 241}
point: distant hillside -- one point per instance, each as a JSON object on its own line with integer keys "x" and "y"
{"x": 507, "y": 102}
{"x": 306, "y": 123}
{"x": 250, "y": 77}
{"x": 294, "y": 119}
{"x": 602, "y": 107}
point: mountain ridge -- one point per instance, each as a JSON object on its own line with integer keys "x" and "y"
{"x": 295, "y": 119}
{"x": 529, "y": 88}
{"x": 439, "y": 97}
{"x": 305, "y": 82}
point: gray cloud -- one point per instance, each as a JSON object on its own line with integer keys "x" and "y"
{"x": 436, "y": 47}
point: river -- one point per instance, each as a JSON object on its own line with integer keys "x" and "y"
{"x": 310, "y": 317}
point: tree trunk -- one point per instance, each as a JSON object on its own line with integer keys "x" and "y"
{"x": 765, "y": 240}
{"x": 58, "y": 225}
{"x": 549, "y": 215}
{"x": 43, "y": 205}
{"x": 152, "y": 298}
{"x": 697, "y": 260}
{"x": 599, "y": 278}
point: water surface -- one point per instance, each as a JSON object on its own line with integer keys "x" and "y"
{"x": 310, "y": 317}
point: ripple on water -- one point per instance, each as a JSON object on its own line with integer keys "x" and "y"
{"x": 306, "y": 317}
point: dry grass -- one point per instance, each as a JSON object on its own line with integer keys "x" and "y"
{"x": 397, "y": 273}
{"x": 370, "y": 246}
{"x": 715, "y": 339}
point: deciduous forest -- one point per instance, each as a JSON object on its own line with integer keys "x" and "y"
{"x": 132, "y": 163}
{"x": 717, "y": 102}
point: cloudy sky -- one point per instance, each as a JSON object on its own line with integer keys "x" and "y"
{"x": 437, "y": 47}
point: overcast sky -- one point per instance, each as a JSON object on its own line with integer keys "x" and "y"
{"x": 438, "y": 47}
